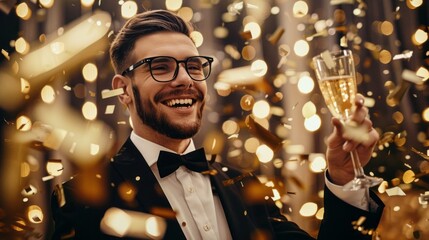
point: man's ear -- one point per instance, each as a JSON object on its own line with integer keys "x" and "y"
{"x": 120, "y": 81}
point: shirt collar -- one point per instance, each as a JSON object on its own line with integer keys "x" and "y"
{"x": 150, "y": 150}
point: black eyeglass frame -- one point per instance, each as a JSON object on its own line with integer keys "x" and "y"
{"x": 176, "y": 71}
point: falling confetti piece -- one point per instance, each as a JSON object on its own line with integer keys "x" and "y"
{"x": 421, "y": 154}
{"x": 395, "y": 191}
{"x": 274, "y": 38}
{"x": 338, "y": 2}
{"x": 327, "y": 58}
{"x": 112, "y": 93}
{"x": 5, "y": 54}
{"x": 273, "y": 141}
{"x": 412, "y": 77}
{"x": 404, "y": 55}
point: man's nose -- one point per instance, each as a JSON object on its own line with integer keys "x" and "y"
{"x": 183, "y": 77}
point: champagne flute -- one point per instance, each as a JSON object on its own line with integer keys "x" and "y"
{"x": 335, "y": 72}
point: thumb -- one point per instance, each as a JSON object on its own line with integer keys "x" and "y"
{"x": 338, "y": 126}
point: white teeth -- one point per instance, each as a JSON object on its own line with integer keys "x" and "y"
{"x": 173, "y": 102}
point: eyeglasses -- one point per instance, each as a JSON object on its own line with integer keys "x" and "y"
{"x": 165, "y": 69}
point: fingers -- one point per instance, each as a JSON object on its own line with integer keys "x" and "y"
{"x": 369, "y": 141}
{"x": 361, "y": 112}
{"x": 360, "y": 134}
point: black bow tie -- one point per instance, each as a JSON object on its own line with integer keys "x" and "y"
{"x": 169, "y": 162}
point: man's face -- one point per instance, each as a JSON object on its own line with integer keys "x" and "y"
{"x": 173, "y": 108}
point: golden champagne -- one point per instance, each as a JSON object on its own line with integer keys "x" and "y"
{"x": 339, "y": 93}
{"x": 335, "y": 72}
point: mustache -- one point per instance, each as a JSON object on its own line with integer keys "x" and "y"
{"x": 179, "y": 92}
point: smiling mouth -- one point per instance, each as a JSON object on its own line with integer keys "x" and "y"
{"x": 180, "y": 103}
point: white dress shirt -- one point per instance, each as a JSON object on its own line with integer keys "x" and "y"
{"x": 199, "y": 213}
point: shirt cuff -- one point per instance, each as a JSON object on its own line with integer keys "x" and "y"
{"x": 356, "y": 198}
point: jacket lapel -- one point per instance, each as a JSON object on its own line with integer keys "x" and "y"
{"x": 232, "y": 202}
{"x": 130, "y": 168}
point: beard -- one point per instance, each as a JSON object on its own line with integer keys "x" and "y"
{"x": 160, "y": 122}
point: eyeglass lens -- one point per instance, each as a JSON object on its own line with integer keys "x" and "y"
{"x": 166, "y": 68}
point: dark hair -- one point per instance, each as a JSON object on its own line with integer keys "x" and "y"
{"x": 143, "y": 24}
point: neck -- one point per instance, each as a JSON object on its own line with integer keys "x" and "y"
{"x": 176, "y": 145}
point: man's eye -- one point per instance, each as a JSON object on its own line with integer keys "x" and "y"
{"x": 194, "y": 67}
{"x": 160, "y": 67}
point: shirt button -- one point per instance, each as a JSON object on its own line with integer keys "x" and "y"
{"x": 191, "y": 189}
{"x": 206, "y": 227}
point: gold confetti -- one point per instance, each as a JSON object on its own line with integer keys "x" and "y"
{"x": 5, "y": 54}
{"x": 275, "y": 37}
{"x": 273, "y": 141}
{"x": 232, "y": 181}
{"x": 246, "y": 35}
{"x": 405, "y": 55}
{"x": 395, "y": 191}
{"x": 424, "y": 198}
{"x": 110, "y": 109}
{"x": 408, "y": 176}
{"x": 396, "y": 95}
{"x": 411, "y": 77}
{"x": 421, "y": 154}
{"x": 400, "y": 139}
{"x": 338, "y": 2}
{"x": 127, "y": 192}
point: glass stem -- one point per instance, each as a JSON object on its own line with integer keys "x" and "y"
{"x": 356, "y": 165}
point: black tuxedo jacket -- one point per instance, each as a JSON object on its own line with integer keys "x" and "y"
{"x": 81, "y": 220}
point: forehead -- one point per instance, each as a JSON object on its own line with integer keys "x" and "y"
{"x": 173, "y": 44}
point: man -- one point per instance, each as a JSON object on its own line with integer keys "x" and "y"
{"x": 164, "y": 82}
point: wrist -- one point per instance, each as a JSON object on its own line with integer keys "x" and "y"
{"x": 339, "y": 177}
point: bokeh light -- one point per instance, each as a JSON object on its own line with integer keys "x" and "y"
{"x": 312, "y": 123}
{"x": 35, "y": 214}
{"x": 129, "y": 9}
{"x": 87, "y": 3}
{"x": 309, "y": 109}
{"x": 47, "y": 94}
{"x": 301, "y": 48}
{"x": 251, "y": 144}
{"x": 305, "y": 84}
{"x": 173, "y": 5}
{"x": 54, "y": 167}
{"x": 89, "y": 110}
{"x": 47, "y": 3}
{"x": 254, "y": 29}
{"x": 425, "y": 114}
{"x": 186, "y": 13}
{"x": 300, "y": 9}
{"x": 318, "y": 164}
{"x": 264, "y": 153}
{"x": 23, "y": 123}
{"x": 23, "y": 11}
{"x": 90, "y": 72}
{"x": 419, "y": 37}
{"x": 261, "y": 109}
{"x": 197, "y": 37}
{"x": 308, "y": 209}
{"x": 22, "y": 46}
{"x": 259, "y": 67}
{"x": 230, "y": 127}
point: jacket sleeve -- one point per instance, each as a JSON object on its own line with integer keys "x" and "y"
{"x": 344, "y": 221}
{"x": 73, "y": 220}
{"x": 283, "y": 228}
